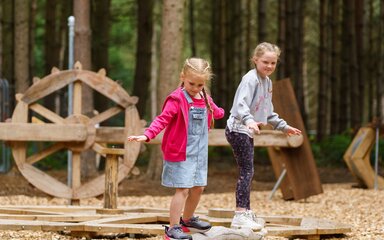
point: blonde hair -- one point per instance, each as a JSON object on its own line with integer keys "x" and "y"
{"x": 201, "y": 68}
{"x": 265, "y": 47}
{"x": 197, "y": 66}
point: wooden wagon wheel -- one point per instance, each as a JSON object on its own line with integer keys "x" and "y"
{"x": 76, "y": 132}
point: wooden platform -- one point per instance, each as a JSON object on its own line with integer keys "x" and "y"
{"x": 85, "y": 221}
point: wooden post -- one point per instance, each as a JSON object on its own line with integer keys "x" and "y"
{"x": 111, "y": 180}
{"x": 111, "y": 171}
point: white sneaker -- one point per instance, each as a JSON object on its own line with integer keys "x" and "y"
{"x": 247, "y": 219}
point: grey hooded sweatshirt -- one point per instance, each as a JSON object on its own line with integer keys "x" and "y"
{"x": 253, "y": 103}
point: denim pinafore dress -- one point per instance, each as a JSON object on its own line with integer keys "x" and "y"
{"x": 194, "y": 170}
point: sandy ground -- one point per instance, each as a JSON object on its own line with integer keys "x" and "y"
{"x": 341, "y": 202}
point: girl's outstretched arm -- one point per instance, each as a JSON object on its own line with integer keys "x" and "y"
{"x": 139, "y": 138}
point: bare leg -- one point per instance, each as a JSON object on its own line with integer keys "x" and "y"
{"x": 192, "y": 202}
{"x": 177, "y": 204}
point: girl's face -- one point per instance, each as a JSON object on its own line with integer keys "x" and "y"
{"x": 193, "y": 84}
{"x": 266, "y": 63}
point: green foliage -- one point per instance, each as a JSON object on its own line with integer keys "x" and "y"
{"x": 56, "y": 161}
{"x": 38, "y": 42}
{"x": 329, "y": 152}
{"x": 122, "y": 48}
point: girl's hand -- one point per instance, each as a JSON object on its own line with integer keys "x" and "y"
{"x": 140, "y": 138}
{"x": 255, "y": 126}
{"x": 292, "y": 131}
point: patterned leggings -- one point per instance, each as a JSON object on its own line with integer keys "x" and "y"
{"x": 243, "y": 151}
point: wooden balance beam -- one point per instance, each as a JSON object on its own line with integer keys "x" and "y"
{"x": 85, "y": 221}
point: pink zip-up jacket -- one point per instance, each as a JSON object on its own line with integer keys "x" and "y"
{"x": 174, "y": 117}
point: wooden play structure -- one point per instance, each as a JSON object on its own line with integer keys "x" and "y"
{"x": 358, "y": 155}
{"x": 296, "y": 167}
{"x": 77, "y": 133}
{"x": 84, "y": 221}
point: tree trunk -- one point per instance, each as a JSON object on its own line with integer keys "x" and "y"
{"x": 100, "y": 43}
{"x": 380, "y": 76}
{"x": 355, "y": 97}
{"x": 82, "y": 45}
{"x": 369, "y": 66}
{"x": 281, "y": 39}
{"x": 247, "y": 35}
{"x": 334, "y": 19}
{"x": 170, "y": 66}
{"x": 21, "y": 45}
{"x": 32, "y": 32}
{"x": 1, "y": 41}
{"x": 344, "y": 72}
{"x": 7, "y": 35}
{"x": 262, "y": 21}
{"x": 51, "y": 54}
{"x": 82, "y": 53}
{"x": 299, "y": 59}
{"x": 192, "y": 26}
{"x": 322, "y": 89}
{"x": 143, "y": 54}
{"x": 289, "y": 37}
{"x": 360, "y": 62}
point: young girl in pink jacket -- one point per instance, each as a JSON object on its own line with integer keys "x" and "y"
{"x": 186, "y": 117}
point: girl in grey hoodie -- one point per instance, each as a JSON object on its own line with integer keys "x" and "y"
{"x": 252, "y": 107}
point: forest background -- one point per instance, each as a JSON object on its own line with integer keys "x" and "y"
{"x": 332, "y": 51}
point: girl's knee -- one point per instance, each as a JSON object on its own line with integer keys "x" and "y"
{"x": 198, "y": 190}
{"x": 184, "y": 192}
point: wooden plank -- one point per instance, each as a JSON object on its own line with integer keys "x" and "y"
{"x": 112, "y": 89}
{"x": 101, "y": 117}
{"x": 19, "y": 211}
{"x": 76, "y": 172}
{"x": 20, "y": 225}
{"x": 46, "y": 113}
{"x": 54, "y": 218}
{"x": 77, "y": 98}
{"x": 324, "y": 226}
{"x": 48, "y": 85}
{"x": 357, "y": 158}
{"x": 43, "y": 132}
{"x": 361, "y": 144}
{"x": 127, "y": 219}
{"x": 302, "y": 178}
{"x": 104, "y": 150}
{"x": 287, "y": 231}
{"x": 44, "y": 153}
{"x": 138, "y": 221}
{"x": 156, "y": 229}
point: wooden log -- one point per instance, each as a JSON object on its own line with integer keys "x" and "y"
{"x": 43, "y": 132}
{"x": 216, "y": 137}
